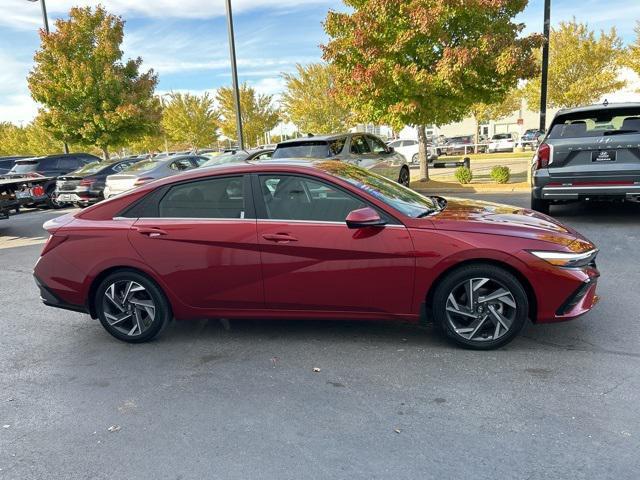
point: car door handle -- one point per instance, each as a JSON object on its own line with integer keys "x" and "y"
{"x": 150, "y": 231}
{"x": 279, "y": 237}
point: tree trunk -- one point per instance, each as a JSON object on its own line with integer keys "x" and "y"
{"x": 105, "y": 153}
{"x": 66, "y": 147}
{"x": 422, "y": 153}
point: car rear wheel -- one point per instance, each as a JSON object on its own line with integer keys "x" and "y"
{"x": 405, "y": 177}
{"x": 415, "y": 159}
{"x": 131, "y": 307}
{"x": 480, "y": 306}
{"x": 540, "y": 205}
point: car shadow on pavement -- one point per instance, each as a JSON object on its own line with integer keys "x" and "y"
{"x": 612, "y": 212}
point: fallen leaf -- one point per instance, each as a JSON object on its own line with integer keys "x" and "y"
{"x": 114, "y": 428}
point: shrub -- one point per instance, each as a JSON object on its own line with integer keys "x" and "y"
{"x": 463, "y": 175}
{"x": 500, "y": 174}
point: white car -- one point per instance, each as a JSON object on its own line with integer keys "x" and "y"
{"x": 409, "y": 150}
{"x": 501, "y": 142}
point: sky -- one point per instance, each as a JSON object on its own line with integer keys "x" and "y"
{"x": 185, "y": 41}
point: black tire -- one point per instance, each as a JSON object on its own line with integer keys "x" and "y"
{"x": 540, "y": 205}
{"x": 50, "y": 202}
{"x": 445, "y": 319}
{"x": 151, "y": 291}
{"x": 405, "y": 176}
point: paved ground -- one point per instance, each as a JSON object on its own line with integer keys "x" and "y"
{"x": 390, "y": 402}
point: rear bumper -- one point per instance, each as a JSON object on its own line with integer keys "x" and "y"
{"x": 52, "y": 300}
{"x": 582, "y": 191}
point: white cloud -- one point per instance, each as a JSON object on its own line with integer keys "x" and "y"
{"x": 22, "y": 15}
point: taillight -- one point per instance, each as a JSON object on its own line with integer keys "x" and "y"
{"x": 37, "y": 191}
{"x": 543, "y": 156}
{"x": 53, "y": 242}
{"x": 86, "y": 182}
{"x": 142, "y": 181}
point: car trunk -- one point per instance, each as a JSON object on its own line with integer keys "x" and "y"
{"x": 612, "y": 158}
{"x": 121, "y": 183}
{"x": 68, "y": 183}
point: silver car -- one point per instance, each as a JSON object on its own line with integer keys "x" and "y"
{"x": 148, "y": 170}
{"x": 588, "y": 153}
{"x": 362, "y": 149}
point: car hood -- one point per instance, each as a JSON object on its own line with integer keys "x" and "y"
{"x": 498, "y": 219}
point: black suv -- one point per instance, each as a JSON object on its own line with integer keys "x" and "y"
{"x": 50, "y": 166}
{"x": 86, "y": 185}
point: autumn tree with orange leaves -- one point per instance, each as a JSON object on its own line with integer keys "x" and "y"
{"x": 420, "y": 62}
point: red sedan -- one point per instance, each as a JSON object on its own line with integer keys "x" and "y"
{"x": 323, "y": 240}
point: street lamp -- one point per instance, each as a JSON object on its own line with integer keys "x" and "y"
{"x": 234, "y": 74}
{"x": 44, "y": 14}
{"x": 545, "y": 66}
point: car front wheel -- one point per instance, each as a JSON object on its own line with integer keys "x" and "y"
{"x": 405, "y": 177}
{"x": 480, "y": 306}
{"x": 131, "y": 307}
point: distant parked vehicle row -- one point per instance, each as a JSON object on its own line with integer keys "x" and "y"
{"x": 411, "y": 150}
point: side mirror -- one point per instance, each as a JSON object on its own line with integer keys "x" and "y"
{"x": 364, "y": 217}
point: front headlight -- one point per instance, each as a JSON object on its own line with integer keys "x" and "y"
{"x": 566, "y": 259}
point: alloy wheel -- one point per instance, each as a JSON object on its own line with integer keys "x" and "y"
{"x": 481, "y": 309}
{"x": 128, "y": 308}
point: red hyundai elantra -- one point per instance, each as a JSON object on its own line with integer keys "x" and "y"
{"x": 323, "y": 240}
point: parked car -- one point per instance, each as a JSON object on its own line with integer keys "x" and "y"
{"x": 216, "y": 159}
{"x": 51, "y": 166}
{"x": 410, "y": 150}
{"x": 588, "y": 153}
{"x": 502, "y": 142}
{"x": 530, "y": 138}
{"x": 462, "y": 145}
{"x": 362, "y": 149}
{"x": 86, "y": 185}
{"x": 7, "y": 163}
{"x": 148, "y": 170}
{"x": 323, "y": 240}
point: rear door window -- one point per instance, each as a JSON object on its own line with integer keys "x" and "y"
{"x": 359, "y": 145}
{"x": 182, "y": 164}
{"x": 303, "y": 149}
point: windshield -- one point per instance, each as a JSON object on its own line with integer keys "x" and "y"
{"x": 225, "y": 158}
{"x": 597, "y": 124}
{"x": 403, "y": 199}
{"x": 306, "y": 149}
{"x": 25, "y": 167}
{"x": 143, "y": 166}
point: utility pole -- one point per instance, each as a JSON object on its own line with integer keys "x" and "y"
{"x": 234, "y": 75}
{"x": 545, "y": 66}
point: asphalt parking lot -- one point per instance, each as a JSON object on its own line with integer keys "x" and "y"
{"x": 389, "y": 401}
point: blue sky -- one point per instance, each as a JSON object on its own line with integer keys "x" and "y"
{"x": 185, "y": 41}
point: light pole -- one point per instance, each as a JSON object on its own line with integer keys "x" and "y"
{"x": 234, "y": 75}
{"x": 44, "y": 14}
{"x": 545, "y": 66}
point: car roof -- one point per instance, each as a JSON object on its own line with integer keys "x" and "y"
{"x": 599, "y": 107}
{"x": 317, "y": 138}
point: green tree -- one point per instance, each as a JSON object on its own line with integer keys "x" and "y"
{"x": 582, "y": 67}
{"x": 485, "y": 112}
{"x": 90, "y": 95}
{"x": 309, "y": 101}
{"x": 632, "y": 55}
{"x": 421, "y": 62}
{"x": 258, "y": 113}
{"x": 190, "y": 119}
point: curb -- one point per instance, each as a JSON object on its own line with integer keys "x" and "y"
{"x": 515, "y": 189}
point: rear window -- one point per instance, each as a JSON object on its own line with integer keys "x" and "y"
{"x": 23, "y": 166}
{"x": 596, "y": 124}
{"x": 144, "y": 166}
{"x": 306, "y": 149}
{"x": 93, "y": 167}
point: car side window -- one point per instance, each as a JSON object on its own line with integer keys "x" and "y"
{"x": 377, "y": 145}
{"x": 263, "y": 156}
{"x": 182, "y": 164}
{"x": 198, "y": 161}
{"x": 68, "y": 164}
{"x": 289, "y": 197}
{"x": 211, "y": 198}
{"x": 359, "y": 145}
{"x": 336, "y": 146}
